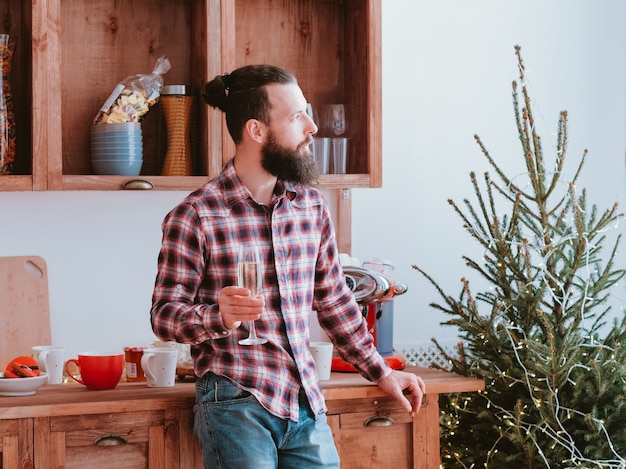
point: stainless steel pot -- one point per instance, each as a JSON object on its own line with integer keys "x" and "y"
{"x": 369, "y": 286}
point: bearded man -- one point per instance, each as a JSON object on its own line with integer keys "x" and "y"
{"x": 262, "y": 406}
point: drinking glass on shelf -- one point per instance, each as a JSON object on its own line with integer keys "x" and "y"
{"x": 333, "y": 119}
{"x": 249, "y": 276}
{"x": 321, "y": 153}
{"x": 340, "y": 153}
{"x": 310, "y": 110}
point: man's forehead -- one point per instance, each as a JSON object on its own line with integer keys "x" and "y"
{"x": 285, "y": 97}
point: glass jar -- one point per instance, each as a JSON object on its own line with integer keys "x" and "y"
{"x": 7, "y": 116}
{"x": 177, "y": 102}
{"x": 132, "y": 363}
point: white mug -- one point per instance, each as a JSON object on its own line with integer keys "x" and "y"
{"x": 159, "y": 365}
{"x": 323, "y": 356}
{"x": 51, "y": 360}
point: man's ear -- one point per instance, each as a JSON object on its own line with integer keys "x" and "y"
{"x": 256, "y": 130}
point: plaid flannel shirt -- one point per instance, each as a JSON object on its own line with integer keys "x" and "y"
{"x": 301, "y": 273}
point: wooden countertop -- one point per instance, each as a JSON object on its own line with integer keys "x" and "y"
{"x": 73, "y": 398}
{"x": 351, "y": 385}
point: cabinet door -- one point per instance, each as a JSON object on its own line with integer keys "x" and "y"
{"x": 129, "y": 440}
{"x": 16, "y": 446}
{"x": 159, "y": 439}
{"x": 378, "y": 433}
{"x": 375, "y": 434}
{"x": 190, "y": 449}
{"x": 8, "y": 443}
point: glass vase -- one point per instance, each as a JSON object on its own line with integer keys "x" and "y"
{"x": 7, "y": 116}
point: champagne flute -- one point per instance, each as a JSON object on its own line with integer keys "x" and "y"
{"x": 249, "y": 276}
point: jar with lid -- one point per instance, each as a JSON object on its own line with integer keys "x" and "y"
{"x": 177, "y": 102}
{"x": 132, "y": 363}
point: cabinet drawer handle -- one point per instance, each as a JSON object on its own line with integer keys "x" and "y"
{"x": 137, "y": 184}
{"x": 110, "y": 440}
{"x": 379, "y": 421}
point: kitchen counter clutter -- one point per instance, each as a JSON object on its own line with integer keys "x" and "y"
{"x": 71, "y": 427}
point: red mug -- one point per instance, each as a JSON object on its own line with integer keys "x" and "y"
{"x": 98, "y": 370}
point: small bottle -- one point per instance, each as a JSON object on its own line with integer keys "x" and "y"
{"x": 177, "y": 102}
{"x": 132, "y": 363}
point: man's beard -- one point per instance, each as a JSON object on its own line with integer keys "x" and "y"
{"x": 290, "y": 165}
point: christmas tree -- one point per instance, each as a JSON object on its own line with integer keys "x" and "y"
{"x": 554, "y": 370}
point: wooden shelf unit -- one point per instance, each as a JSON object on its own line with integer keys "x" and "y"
{"x": 72, "y": 53}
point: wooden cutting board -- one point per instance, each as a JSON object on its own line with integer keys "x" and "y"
{"x": 24, "y": 306}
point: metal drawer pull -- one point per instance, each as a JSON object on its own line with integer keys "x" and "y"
{"x": 110, "y": 440}
{"x": 379, "y": 421}
{"x": 137, "y": 184}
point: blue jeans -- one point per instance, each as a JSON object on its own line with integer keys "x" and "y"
{"x": 237, "y": 432}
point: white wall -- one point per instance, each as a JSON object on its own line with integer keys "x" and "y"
{"x": 100, "y": 248}
{"x": 447, "y": 71}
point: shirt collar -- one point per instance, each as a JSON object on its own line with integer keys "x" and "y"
{"x": 236, "y": 192}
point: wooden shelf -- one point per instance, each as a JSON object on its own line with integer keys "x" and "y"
{"x": 72, "y": 53}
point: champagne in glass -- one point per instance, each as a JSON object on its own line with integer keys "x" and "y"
{"x": 249, "y": 276}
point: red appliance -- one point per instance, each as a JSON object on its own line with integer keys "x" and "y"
{"x": 374, "y": 291}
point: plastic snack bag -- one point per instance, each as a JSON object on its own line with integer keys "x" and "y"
{"x": 134, "y": 96}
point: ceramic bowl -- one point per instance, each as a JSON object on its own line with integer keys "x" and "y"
{"x": 117, "y": 134}
{"x": 113, "y": 142}
{"x": 117, "y": 146}
{"x": 21, "y": 386}
{"x": 117, "y": 153}
{"x": 122, "y": 156}
{"x": 119, "y": 167}
{"x": 121, "y": 127}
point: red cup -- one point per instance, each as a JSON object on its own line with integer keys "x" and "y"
{"x": 98, "y": 370}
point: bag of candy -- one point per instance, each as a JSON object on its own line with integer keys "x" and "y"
{"x": 134, "y": 96}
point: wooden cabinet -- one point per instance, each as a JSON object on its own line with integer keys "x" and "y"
{"x": 132, "y": 426}
{"x": 371, "y": 430}
{"x": 72, "y": 53}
